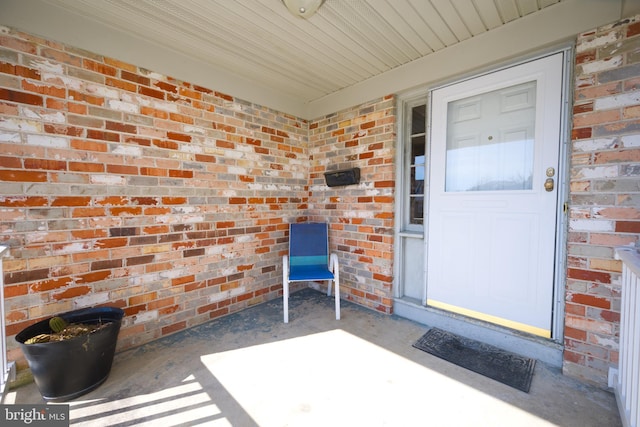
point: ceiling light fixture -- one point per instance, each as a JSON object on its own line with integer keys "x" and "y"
{"x": 303, "y": 8}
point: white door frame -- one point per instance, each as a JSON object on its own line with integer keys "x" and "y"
{"x": 434, "y": 316}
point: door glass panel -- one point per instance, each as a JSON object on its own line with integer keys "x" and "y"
{"x": 490, "y": 140}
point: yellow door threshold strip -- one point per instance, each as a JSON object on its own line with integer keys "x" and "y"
{"x": 491, "y": 319}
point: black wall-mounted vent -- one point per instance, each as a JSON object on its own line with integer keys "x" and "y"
{"x": 343, "y": 177}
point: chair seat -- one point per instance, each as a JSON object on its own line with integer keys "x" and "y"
{"x": 309, "y": 260}
{"x": 310, "y": 272}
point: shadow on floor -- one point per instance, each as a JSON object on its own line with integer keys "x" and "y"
{"x": 251, "y": 369}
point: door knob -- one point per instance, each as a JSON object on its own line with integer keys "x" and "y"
{"x": 548, "y": 184}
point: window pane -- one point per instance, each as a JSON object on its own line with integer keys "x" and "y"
{"x": 490, "y": 140}
{"x": 417, "y": 150}
{"x": 418, "y": 119}
{"x": 417, "y": 180}
{"x": 416, "y": 208}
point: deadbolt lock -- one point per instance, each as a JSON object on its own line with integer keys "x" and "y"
{"x": 551, "y": 172}
{"x": 548, "y": 184}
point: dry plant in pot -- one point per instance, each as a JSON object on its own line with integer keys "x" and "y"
{"x": 71, "y": 354}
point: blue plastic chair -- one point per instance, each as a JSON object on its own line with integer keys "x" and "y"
{"x": 309, "y": 260}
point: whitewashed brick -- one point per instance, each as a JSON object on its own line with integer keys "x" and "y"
{"x": 91, "y": 300}
{"x": 127, "y": 150}
{"x": 123, "y": 106}
{"x": 591, "y": 225}
{"x": 597, "y": 172}
{"x": 9, "y": 137}
{"x": 173, "y": 273}
{"x": 47, "y": 141}
{"x": 617, "y": 101}
{"x": 193, "y": 129}
{"x": 45, "y": 65}
{"x": 591, "y": 145}
{"x": 171, "y": 107}
{"x": 50, "y": 117}
{"x": 108, "y": 179}
{"x": 603, "y": 65}
{"x": 145, "y": 316}
{"x": 103, "y": 91}
{"x": 631, "y": 141}
{"x": 596, "y": 42}
{"x": 20, "y": 125}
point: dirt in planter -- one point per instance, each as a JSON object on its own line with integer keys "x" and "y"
{"x": 71, "y": 331}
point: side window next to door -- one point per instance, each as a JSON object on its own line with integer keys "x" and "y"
{"x": 415, "y": 166}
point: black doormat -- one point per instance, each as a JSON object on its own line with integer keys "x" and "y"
{"x": 508, "y": 368}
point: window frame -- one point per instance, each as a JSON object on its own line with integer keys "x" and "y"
{"x": 406, "y": 136}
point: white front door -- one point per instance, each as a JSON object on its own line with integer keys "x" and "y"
{"x": 495, "y": 143}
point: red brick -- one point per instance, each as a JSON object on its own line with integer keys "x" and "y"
{"x": 151, "y": 92}
{"x": 581, "y": 133}
{"x": 98, "y": 67}
{"x": 161, "y": 143}
{"x": 225, "y": 144}
{"x": 23, "y": 201}
{"x": 50, "y": 284}
{"x": 589, "y": 275}
{"x": 73, "y": 292}
{"x": 103, "y": 135}
{"x": 71, "y": 201}
{"x": 22, "y": 176}
{"x": 19, "y": 70}
{"x": 122, "y": 169}
{"x": 86, "y": 167}
{"x": 126, "y": 210}
{"x": 84, "y": 97}
{"x": 153, "y": 172}
{"x": 179, "y": 136}
{"x": 44, "y": 89}
{"x": 83, "y": 145}
{"x": 20, "y": 97}
{"x": 177, "y": 173}
{"x": 121, "y": 127}
{"x": 633, "y": 29}
{"x": 88, "y": 212}
{"x": 627, "y": 226}
{"x": 136, "y": 78}
{"x": 174, "y": 200}
{"x": 174, "y": 328}
{"x": 10, "y": 162}
{"x": 94, "y": 276}
{"x": 590, "y": 300}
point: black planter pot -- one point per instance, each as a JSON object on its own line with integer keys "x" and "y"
{"x": 64, "y": 370}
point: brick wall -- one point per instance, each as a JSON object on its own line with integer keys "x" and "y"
{"x": 121, "y": 186}
{"x": 605, "y": 193}
{"x": 361, "y": 216}
{"x": 124, "y": 187}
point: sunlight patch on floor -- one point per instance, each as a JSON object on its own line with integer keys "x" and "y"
{"x": 186, "y": 403}
{"x": 335, "y": 378}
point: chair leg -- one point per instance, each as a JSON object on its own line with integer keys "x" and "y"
{"x": 285, "y": 287}
{"x": 329, "y": 287}
{"x": 337, "y": 299}
{"x": 285, "y": 300}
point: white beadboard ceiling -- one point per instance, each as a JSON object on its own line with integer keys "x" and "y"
{"x": 345, "y": 42}
{"x": 258, "y": 41}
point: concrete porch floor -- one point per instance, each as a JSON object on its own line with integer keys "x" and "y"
{"x": 250, "y": 369}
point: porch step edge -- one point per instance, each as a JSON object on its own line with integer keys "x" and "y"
{"x": 544, "y": 350}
